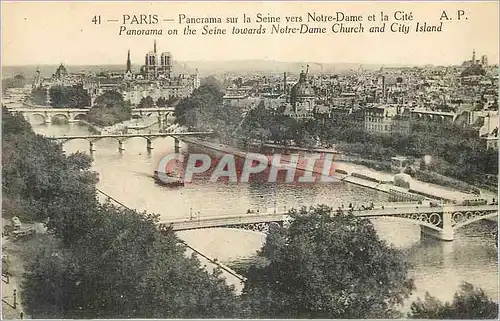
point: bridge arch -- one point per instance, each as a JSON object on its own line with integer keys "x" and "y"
{"x": 415, "y": 221}
{"x": 37, "y": 115}
{"x": 147, "y": 138}
{"x": 59, "y": 116}
{"x": 74, "y": 138}
{"x": 169, "y": 115}
{"x": 473, "y": 219}
{"x": 80, "y": 116}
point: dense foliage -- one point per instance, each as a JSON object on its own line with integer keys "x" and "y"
{"x": 108, "y": 262}
{"x": 39, "y": 96}
{"x": 69, "y": 97}
{"x": 204, "y": 110}
{"x": 327, "y": 266}
{"x": 109, "y": 109}
{"x": 457, "y": 151}
{"x": 38, "y": 180}
{"x": 17, "y": 81}
{"x": 124, "y": 267}
{"x": 146, "y": 102}
{"x": 468, "y": 303}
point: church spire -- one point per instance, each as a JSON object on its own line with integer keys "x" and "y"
{"x": 154, "y": 48}
{"x": 129, "y": 64}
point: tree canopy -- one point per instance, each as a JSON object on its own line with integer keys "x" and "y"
{"x": 17, "y": 81}
{"x": 34, "y": 186}
{"x": 205, "y": 110}
{"x": 327, "y": 266}
{"x": 463, "y": 153}
{"x": 125, "y": 267}
{"x": 106, "y": 261}
{"x": 39, "y": 96}
{"x": 69, "y": 97}
{"x": 146, "y": 102}
{"x": 468, "y": 303}
{"x": 109, "y": 109}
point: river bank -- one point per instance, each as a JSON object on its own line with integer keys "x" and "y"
{"x": 362, "y": 176}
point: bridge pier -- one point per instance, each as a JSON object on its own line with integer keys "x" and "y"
{"x": 120, "y": 146}
{"x": 446, "y": 234}
{"x": 148, "y": 145}
{"x": 160, "y": 122}
{"x": 177, "y": 146}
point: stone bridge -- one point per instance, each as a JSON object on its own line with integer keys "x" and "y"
{"x": 121, "y": 138}
{"x": 47, "y": 115}
{"x": 439, "y": 222}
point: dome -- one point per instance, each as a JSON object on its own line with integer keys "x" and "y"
{"x": 61, "y": 70}
{"x": 301, "y": 89}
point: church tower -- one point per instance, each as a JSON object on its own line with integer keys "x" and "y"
{"x": 128, "y": 73}
{"x": 129, "y": 64}
{"x": 37, "y": 82}
{"x": 474, "y": 57}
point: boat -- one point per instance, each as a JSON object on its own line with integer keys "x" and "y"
{"x": 167, "y": 179}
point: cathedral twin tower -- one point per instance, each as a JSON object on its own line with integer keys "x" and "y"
{"x": 154, "y": 69}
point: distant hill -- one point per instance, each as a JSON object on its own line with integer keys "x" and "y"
{"x": 205, "y": 68}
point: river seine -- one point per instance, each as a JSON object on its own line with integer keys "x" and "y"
{"x": 437, "y": 267}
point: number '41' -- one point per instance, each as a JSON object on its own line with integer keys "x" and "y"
{"x": 96, "y": 20}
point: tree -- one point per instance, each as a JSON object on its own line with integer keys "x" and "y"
{"x": 69, "y": 97}
{"x": 146, "y": 102}
{"x": 109, "y": 99}
{"x": 14, "y": 123}
{"x": 109, "y": 109}
{"x": 161, "y": 102}
{"x": 204, "y": 110}
{"x": 103, "y": 261}
{"x": 17, "y": 82}
{"x": 39, "y": 96}
{"x": 46, "y": 184}
{"x": 326, "y": 266}
{"x": 125, "y": 267}
{"x": 468, "y": 303}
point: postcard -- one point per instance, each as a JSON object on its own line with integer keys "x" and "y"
{"x": 250, "y": 160}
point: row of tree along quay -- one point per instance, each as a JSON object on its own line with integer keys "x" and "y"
{"x": 102, "y": 261}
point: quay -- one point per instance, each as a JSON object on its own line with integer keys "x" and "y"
{"x": 364, "y": 177}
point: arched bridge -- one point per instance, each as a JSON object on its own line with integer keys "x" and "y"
{"x": 121, "y": 138}
{"x": 439, "y": 222}
{"x": 75, "y": 114}
{"x": 48, "y": 114}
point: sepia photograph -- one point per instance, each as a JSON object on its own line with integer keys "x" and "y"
{"x": 250, "y": 160}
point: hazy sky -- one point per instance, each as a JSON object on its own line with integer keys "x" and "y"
{"x": 49, "y": 33}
